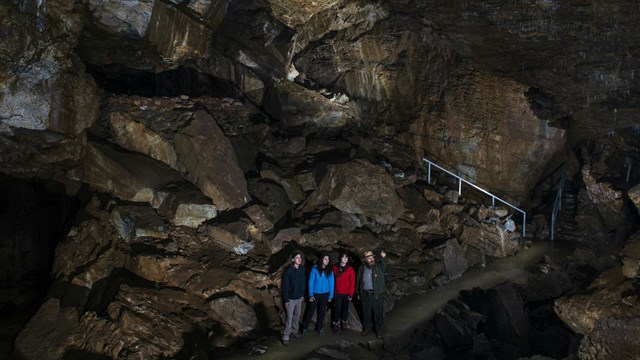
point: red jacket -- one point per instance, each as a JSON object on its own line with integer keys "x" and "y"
{"x": 345, "y": 280}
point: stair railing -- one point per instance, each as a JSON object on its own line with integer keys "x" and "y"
{"x": 461, "y": 180}
{"x": 557, "y": 203}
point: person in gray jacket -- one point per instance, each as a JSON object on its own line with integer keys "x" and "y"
{"x": 293, "y": 286}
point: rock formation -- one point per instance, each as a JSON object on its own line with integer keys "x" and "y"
{"x": 176, "y": 152}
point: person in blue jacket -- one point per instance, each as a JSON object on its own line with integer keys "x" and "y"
{"x": 321, "y": 284}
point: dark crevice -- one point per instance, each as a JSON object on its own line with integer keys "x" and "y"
{"x": 116, "y": 79}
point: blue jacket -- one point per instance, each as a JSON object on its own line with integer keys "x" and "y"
{"x": 320, "y": 283}
{"x": 293, "y": 283}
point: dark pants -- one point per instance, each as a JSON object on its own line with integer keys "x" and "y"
{"x": 373, "y": 305}
{"x": 341, "y": 308}
{"x": 321, "y": 305}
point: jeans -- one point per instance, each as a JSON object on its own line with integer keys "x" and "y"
{"x": 321, "y": 304}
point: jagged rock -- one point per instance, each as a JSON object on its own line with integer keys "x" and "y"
{"x": 547, "y": 286}
{"x": 229, "y": 240}
{"x": 604, "y": 300}
{"x": 236, "y": 316}
{"x": 611, "y": 338}
{"x": 634, "y": 195}
{"x": 86, "y": 254}
{"x": 138, "y": 221}
{"x": 274, "y": 196}
{"x": 608, "y": 201}
{"x": 492, "y": 240}
{"x": 49, "y": 333}
{"x": 211, "y": 163}
{"x": 418, "y": 208}
{"x": 289, "y": 185}
{"x": 284, "y": 236}
{"x": 260, "y": 217}
{"x": 297, "y": 106}
{"x": 129, "y": 19}
{"x": 359, "y": 187}
{"x": 184, "y": 205}
{"x": 325, "y": 238}
{"x": 135, "y": 136}
{"x": 631, "y": 257}
{"x": 47, "y": 100}
{"x": 177, "y": 36}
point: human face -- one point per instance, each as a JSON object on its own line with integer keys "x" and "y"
{"x": 325, "y": 261}
{"x": 297, "y": 260}
{"x": 343, "y": 260}
{"x": 370, "y": 261}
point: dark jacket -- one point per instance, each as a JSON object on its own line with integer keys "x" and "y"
{"x": 377, "y": 277}
{"x": 293, "y": 283}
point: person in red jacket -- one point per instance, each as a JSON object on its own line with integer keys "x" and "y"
{"x": 345, "y": 280}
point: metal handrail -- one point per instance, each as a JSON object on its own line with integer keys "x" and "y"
{"x": 557, "y": 203}
{"x": 461, "y": 180}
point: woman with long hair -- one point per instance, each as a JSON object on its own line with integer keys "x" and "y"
{"x": 321, "y": 283}
{"x": 345, "y": 279}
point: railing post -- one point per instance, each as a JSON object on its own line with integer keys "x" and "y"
{"x": 524, "y": 222}
{"x": 429, "y": 173}
{"x": 493, "y": 201}
{"x": 459, "y": 186}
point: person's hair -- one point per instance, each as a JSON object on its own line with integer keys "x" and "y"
{"x": 295, "y": 253}
{"x": 327, "y": 269}
{"x": 340, "y": 258}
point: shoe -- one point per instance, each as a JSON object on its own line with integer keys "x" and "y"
{"x": 380, "y": 335}
{"x": 345, "y": 325}
{"x": 304, "y": 333}
{"x": 334, "y": 328}
{"x": 321, "y": 332}
{"x": 364, "y": 332}
{"x": 285, "y": 342}
{"x": 296, "y": 335}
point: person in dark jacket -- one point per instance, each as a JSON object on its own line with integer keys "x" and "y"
{"x": 345, "y": 280}
{"x": 320, "y": 293}
{"x": 293, "y": 283}
{"x": 371, "y": 288}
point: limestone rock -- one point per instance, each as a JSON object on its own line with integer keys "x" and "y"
{"x": 274, "y": 196}
{"x": 359, "y": 187}
{"x": 138, "y": 221}
{"x": 296, "y": 106}
{"x": 611, "y": 338}
{"x": 135, "y": 136}
{"x": 631, "y": 257}
{"x": 490, "y": 239}
{"x": 608, "y": 201}
{"x": 581, "y": 312}
{"x": 184, "y": 205}
{"x": 49, "y": 332}
{"x": 237, "y": 316}
{"x": 211, "y": 164}
{"x": 284, "y": 236}
{"x": 229, "y": 240}
{"x": 634, "y": 195}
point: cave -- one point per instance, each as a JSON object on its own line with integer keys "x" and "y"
{"x": 160, "y": 162}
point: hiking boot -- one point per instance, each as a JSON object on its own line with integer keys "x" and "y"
{"x": 364, "y": 332}
{"x": 285, "y": 342}
{"x": 380, "y": 335}
{"x": 334, "y": 328}
{"x": 304, "y": 333}
{"x": 321, "y": 332}
{"x": 345, "y": 325}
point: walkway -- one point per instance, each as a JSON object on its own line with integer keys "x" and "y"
{"x": 414, "y": 310}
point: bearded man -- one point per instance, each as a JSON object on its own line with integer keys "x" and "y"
{"x": 371, "y": 289}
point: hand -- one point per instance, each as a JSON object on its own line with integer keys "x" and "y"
{"x": 312, "y": 299}
{"x": 286, "y": 305}
{"x": 350, "y": 298}
{"x": 358, "y": 297}
{"x": 329, "y": 300}
{"x": 383, "y": 254}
